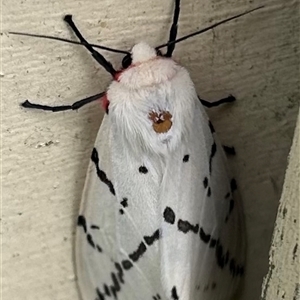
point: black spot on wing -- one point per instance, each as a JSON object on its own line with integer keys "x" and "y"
{"x": 127, "y": 264}
{"x": 174, "y": 294}
{"x": 169, "y": 215}
{"x": 212, "y": 154}
{"x": 220, "y": 256}
{"x": 211, "y": 127}
{"x": 186, "y": 158}
{"x": 233, "y": 185}
{"x": 101, "y": 174}
{"x": 143, "y": 170}
{"x": 95, "y": 227}
{"x": 81, "y": 221}
{"x": 186, "y": 226}
{"x": 156, "y": 297}
{"x": 106, "y": 290}
{"x": 229, "y": 150}
{"x": 203, "y": 236}
{"x": 213, "y": 243}
{"x": 99, "y": 294}
{"x": 205, "y": 184}
{"x": 115, "y": 287}
{"x": 138, "y": 253}
{"x": 124, "y": 202}
{"x": 209, "y": 192}
{"x": 120, "y": 272}
{"x": 90, "y": 240}
{"x": 152, "y": 238}
{"x": 231, "y": 206}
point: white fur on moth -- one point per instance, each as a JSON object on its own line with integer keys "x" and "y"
{"x": 160, "y": 218}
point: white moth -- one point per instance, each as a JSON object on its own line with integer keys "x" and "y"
{"x": 160, "y": 217}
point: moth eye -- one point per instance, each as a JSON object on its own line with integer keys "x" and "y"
{"x": 127, "y": 60}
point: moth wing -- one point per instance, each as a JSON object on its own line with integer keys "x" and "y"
{"x": 200, "y": 234}
{"x": 96, "y": 220}
{"x": 153, "y": 228}
{"x": 116, "y": 243}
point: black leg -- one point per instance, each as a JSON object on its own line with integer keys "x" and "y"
{"x": 98, "y": 57}
{"x": 173, "y": 30}
{"x": 228, "y": 99}
{"x": 229, "y": 150}
{"x": 74, "y": 106}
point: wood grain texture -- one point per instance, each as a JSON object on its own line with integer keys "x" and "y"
{"x": 45, "y": 155}
{"x": 283, "y": 278}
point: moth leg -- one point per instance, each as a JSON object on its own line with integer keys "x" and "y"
{"x": 97, "y": 56}
{"x": 229, "y": 150}
{"x": 173, "y": 30}
{"x": 74, "y": 106}
{"x": 208, "y": 104}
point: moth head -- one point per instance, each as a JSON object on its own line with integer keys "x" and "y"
{"x": 145, "y": 66}
{"x": 140, "y": 52}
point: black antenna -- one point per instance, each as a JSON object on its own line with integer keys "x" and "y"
{"x": 76, "y": 105}
{"x": 207, "y": 28}
{"x": 173, "y": 30}
{"x": 98, "y": 57}
{"x": 68, "y": 41}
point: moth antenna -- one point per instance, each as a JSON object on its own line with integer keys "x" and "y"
{"x": 173, "y": 30}
{"x": 67, "y": 41}
{"x": 97, "y": 56}
{"x": 208, "y": 28}
{"x": 76, "y": 105}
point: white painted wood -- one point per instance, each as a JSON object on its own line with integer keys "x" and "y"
{"x": 283, "y": 278}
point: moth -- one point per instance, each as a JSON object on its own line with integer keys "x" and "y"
{"x": 160, "y": 218}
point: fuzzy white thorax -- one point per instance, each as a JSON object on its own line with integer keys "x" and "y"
{"x": 152, "y": 84}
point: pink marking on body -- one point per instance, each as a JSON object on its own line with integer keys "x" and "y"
{"x": 105, "y": 103}
{"x": 118, "y": 74}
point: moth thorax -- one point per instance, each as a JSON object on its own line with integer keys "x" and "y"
{"x": 142, "y": 52}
